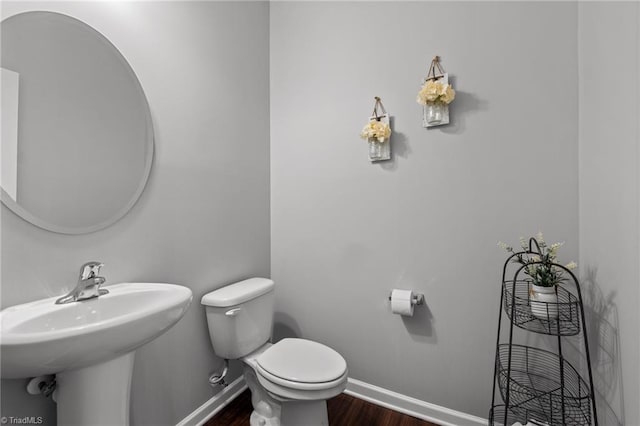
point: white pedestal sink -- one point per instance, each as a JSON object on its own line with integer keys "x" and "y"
{"x": 89, "y": 345}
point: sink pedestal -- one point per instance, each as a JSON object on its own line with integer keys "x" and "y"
{"x": 96, "y": 395}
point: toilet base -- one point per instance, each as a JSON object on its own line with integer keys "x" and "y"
{"x": 271, "y": 411}
{"x": 296, "y": 413}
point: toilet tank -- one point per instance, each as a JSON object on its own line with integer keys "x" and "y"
{"x": 240, "y": 316}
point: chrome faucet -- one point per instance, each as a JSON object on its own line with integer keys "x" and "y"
{"x": 88, "y": 285}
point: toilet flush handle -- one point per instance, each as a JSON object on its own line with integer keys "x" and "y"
{"x": 233, "y": 312}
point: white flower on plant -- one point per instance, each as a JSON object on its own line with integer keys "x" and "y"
{"x": 377, "y": 130}
{"x": 523, "y": 243}
{"x": 553, "y": 249}
{"x": 433, "y": 91}
{"x": 571, "y": 265}
{"x": 447, "y": 94}
{"x": 504, "y": 246}
{"x": 540, "y": 237}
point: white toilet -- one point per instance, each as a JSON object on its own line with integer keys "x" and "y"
{"x": 291, "y": 380}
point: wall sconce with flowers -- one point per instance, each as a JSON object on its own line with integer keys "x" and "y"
{"x": 377, "y": 132}
{"x": 435, "y": 95}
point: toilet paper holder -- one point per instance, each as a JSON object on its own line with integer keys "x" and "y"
{"x": 417, "y": 299}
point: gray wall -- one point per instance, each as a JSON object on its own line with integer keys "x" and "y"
{"x": 345, "y": 232}
{"x": 203, "y": 219}
{"x": 610, "y": 200}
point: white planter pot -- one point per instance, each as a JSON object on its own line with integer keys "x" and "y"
{"x": 544, "y": 302}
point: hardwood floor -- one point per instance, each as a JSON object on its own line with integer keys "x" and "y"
{"x": 344, "y": 410}
{"x": 237, "y": 413}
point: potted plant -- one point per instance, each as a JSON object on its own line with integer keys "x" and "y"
{"x": 545, "y": 274}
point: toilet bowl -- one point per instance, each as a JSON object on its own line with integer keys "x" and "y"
{"x": 290, "y": 380}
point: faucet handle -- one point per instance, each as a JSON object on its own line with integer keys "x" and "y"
{"x": 90, "y": 270}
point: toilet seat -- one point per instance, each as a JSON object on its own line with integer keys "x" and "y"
{"x": 300, "y": 385}
{"x": 302, "y": 364}
{"x": 287, "y": 391}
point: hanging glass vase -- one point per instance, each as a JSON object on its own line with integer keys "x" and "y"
{"x": 433, "y": 113}
{"x": 377, "y": 133}
{"x": 376, "y": 149}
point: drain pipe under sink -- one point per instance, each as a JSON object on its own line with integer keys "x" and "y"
{"x": 45, "y": 385}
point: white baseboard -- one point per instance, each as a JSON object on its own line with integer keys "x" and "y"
{"x": 411, "y": 406}
{"x": 215, "y": 404}
{"x": 356, "y": 388}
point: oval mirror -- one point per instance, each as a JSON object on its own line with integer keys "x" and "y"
{"x": 77, "y": 137}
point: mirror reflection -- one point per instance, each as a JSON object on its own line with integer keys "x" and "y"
{"x": 77, "y": 139}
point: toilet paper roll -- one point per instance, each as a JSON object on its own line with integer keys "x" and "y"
{"x": 401, "y": 302}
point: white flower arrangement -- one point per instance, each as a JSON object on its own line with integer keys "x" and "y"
{"x": 540, "y": 267}
{"x": 432, "y": 91}
{"x": 378, "y": 130}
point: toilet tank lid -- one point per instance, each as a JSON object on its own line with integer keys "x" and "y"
{"x": 240, "y": 292}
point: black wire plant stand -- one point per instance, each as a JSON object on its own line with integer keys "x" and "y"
{"x": 537, "y": 385}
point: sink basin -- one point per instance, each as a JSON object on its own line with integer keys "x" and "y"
{"x": 44, "y": 338}
{"x": 89, "y": 345}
